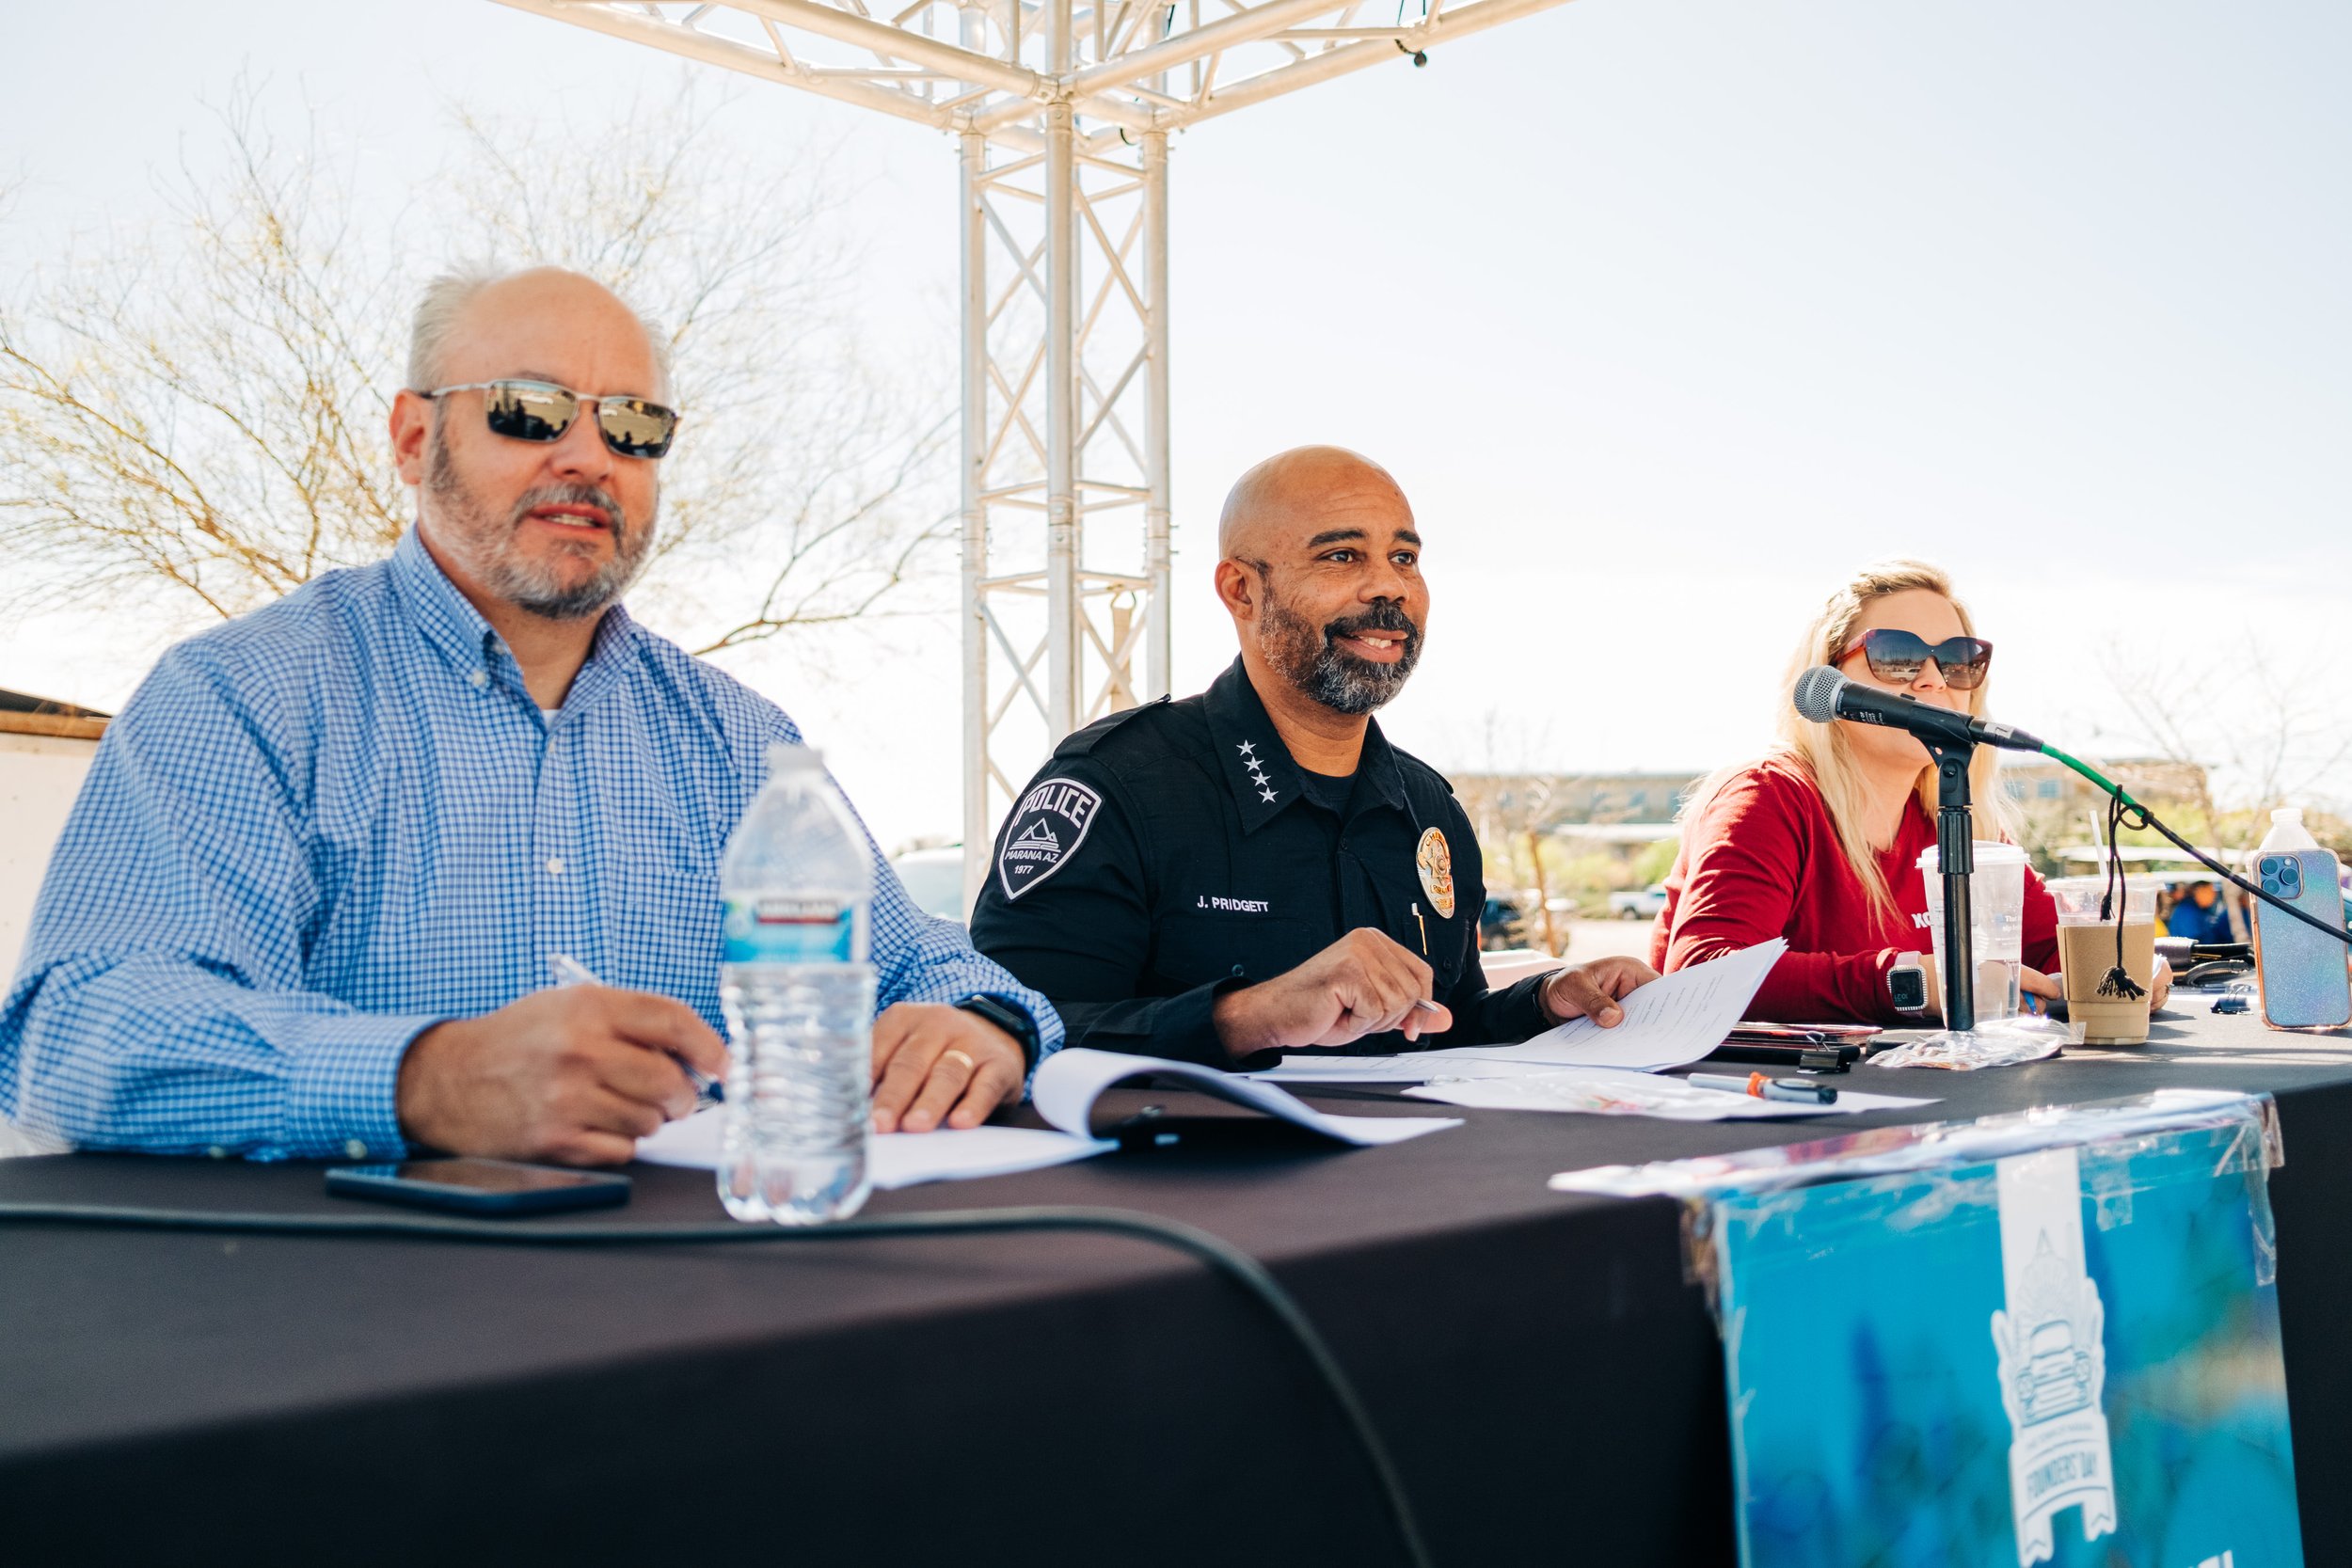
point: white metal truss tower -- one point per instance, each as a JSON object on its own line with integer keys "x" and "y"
{"x": 1063, "y": 110}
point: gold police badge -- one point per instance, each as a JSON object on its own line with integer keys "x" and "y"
{"x": 1436, "y": 863}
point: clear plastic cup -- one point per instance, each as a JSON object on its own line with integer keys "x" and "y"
{"x": 1996, "y": 937}
{"x": 2086, "y": 942}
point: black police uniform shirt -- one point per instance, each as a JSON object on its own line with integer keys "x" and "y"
{"x": 1173, "y": 852}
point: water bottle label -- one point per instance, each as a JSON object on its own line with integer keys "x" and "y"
{"x": 793, "y": 931}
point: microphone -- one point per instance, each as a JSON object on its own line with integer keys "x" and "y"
{"x": 1823, "y": 694}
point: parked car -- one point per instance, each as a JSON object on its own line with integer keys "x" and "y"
{"x": 1499, "y": 922}
{"x": 1638, "y": 903}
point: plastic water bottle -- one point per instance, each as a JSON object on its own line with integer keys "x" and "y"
{"x": 797, "y": 985}
{"x": 2287, "y": 832}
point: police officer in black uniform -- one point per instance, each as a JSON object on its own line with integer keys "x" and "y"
{"x": 1256, "y": 869}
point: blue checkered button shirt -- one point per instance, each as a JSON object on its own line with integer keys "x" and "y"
{"x": 323, "y": 828}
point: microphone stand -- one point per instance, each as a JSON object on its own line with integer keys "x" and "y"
{"x": 1956, "y": 853}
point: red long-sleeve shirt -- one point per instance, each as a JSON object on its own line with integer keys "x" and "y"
{"x": 1763, "y": 861}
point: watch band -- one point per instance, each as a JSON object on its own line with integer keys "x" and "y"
{"x": 1011, "y": 1020}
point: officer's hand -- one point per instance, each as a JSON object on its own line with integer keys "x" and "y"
{"x": 932, "y": 1062}
{"x": 1592, "y": 990}
{"x": 576, "y": 1076}
{"x": 1362, "y": 983}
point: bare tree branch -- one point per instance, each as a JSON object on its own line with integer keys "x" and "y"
{"x": 195, "y": 417}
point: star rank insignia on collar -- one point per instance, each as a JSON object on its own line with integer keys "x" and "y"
{"x": 1255, "y": 766}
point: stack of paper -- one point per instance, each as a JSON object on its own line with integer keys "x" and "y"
{"x": 1064, "y": 1092}
{"x": 1070, "y": 1080}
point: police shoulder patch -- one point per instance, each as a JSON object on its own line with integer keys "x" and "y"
{"x": 1045, "y": 830}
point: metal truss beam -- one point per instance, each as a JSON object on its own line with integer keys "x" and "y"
{"x": 1062, "y": 110}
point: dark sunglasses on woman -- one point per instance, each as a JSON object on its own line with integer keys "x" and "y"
{"x": 1898, "y": 657}
{"x": 541, "y": 411}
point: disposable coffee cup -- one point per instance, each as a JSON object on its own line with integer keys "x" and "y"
{"x": 1996, "y": 926}
{"x": 2087, "y": 952}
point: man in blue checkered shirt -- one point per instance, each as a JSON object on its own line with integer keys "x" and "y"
{"x": 306, "y": 903}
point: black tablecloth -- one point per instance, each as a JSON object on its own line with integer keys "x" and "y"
{"x": 1551, "y": 1386}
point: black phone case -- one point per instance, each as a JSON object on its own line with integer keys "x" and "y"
{"x": 606, "y": 1192}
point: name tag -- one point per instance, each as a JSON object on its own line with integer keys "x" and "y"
{"x": 1231, "y": 906}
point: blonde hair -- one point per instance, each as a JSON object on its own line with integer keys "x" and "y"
{"x": 1824, "y": 752}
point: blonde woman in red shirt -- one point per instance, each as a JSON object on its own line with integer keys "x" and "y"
{"x": 1818, "y": 842}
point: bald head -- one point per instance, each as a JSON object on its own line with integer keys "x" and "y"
{"x": 472, "y": 309}
{"x": 1297, "y": 493}
{"x": 1320, "y": 568}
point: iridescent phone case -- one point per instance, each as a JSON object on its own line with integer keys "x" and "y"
{"x": 2304, "y": 981}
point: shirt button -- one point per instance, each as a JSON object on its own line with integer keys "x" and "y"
{"x": 480, "y": 678}
{"x": 217, "y": 1153}
{"x": 555, "y": 866}
{"x": 355, "y": 1150}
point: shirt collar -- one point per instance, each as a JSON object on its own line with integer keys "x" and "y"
{"x": 451, "y": 623}
{"x": 448, "y": 620}
{"x": 1260, "y": 770}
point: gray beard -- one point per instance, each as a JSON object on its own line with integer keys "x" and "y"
{"x": 483, "y": 547}
{"x": 1305, "y": 656}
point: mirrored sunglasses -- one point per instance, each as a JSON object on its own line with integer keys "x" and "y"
{"x": 541, "y": 411}
{"x": 1898, "y": 657}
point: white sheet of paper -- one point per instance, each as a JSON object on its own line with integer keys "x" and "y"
{"x": 1067, "y": 1085}
{"x": 1672, "y": 1022}
{"x": 896, "y": 1159}
{"x": 1616, "y": 1092}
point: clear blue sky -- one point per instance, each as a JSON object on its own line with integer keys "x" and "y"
{"x": 1665, "y": 316}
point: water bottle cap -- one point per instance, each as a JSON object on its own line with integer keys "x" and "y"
{"x": 2287, "y": 813}
{"x": 783, "y": 757}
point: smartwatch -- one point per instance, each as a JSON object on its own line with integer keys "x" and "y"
{"x": 1907, "y": 984}
{"x": 1011, "y": 1020}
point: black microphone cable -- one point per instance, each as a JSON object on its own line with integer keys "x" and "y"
{"x": 2131, "y": 814}
{"x": 1816, "y": 697}
{"x": 1212, "y": 1250}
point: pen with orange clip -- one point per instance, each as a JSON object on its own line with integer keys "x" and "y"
{"x": 1802, "y": 1091}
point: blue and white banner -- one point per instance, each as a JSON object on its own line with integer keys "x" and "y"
{"x": 2010, "y": 1343}
{"x": 2051, "y": 1339}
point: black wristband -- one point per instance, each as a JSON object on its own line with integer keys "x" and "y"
{"x": 1011, "y": 1020}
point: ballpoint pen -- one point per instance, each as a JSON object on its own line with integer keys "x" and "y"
{"x": 571, "y": 972}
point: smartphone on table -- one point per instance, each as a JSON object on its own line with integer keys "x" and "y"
{"x": 2305, "y": 982}
{"x": 485, "y": 1188}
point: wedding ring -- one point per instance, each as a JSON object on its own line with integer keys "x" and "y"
{"x": 963, "y": 1056}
